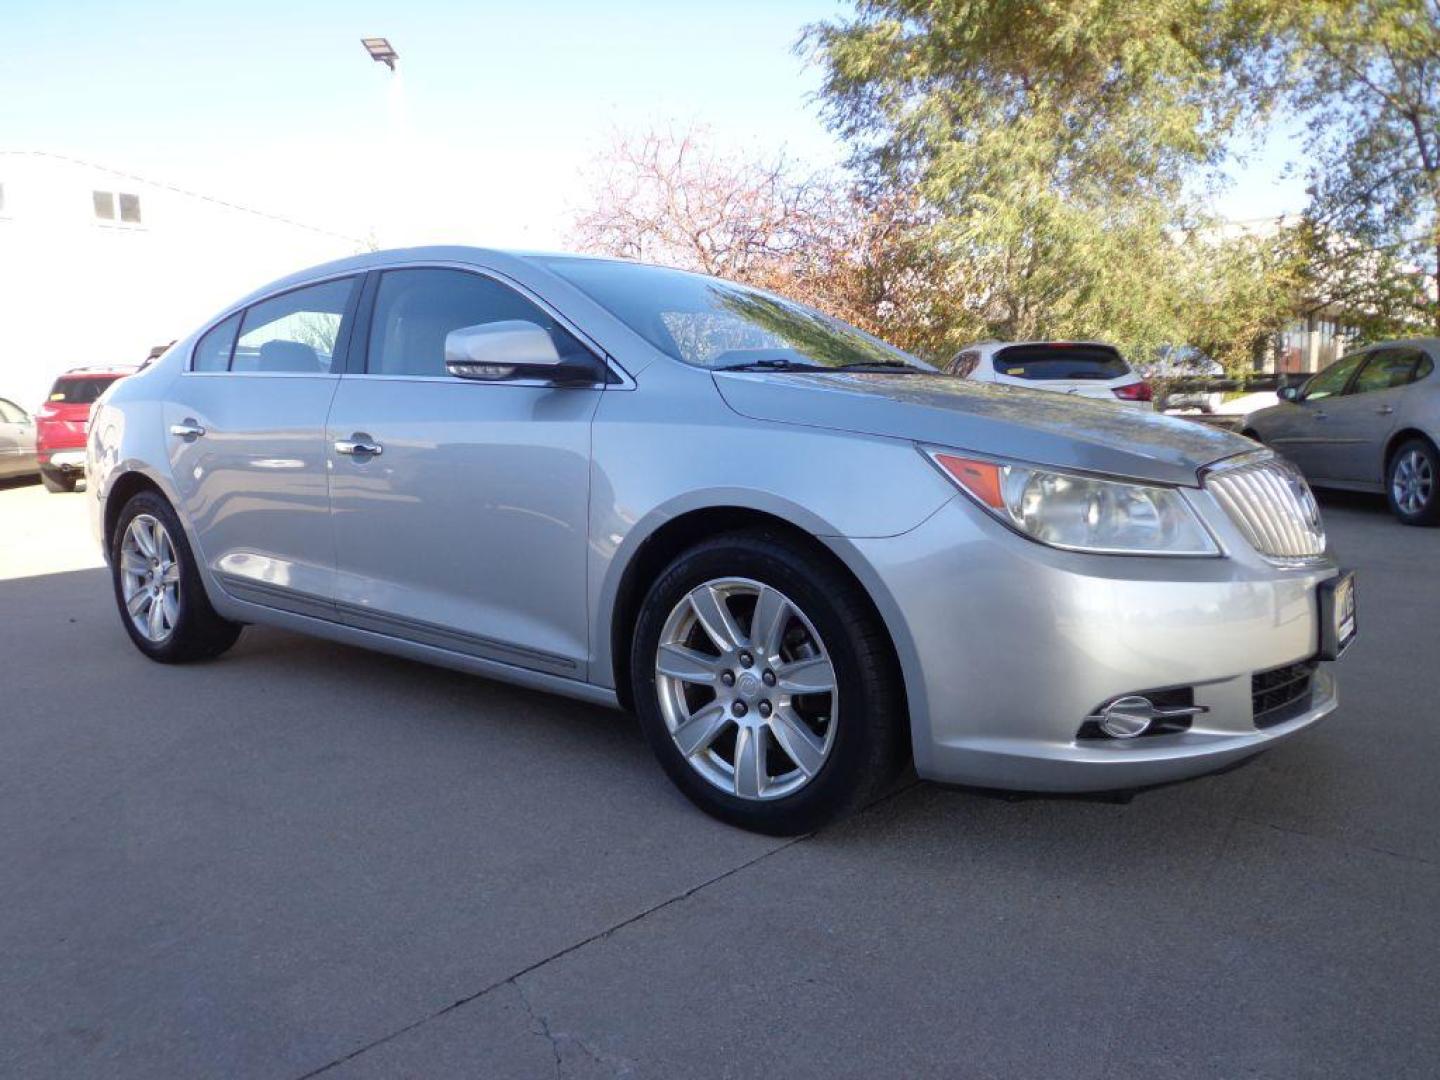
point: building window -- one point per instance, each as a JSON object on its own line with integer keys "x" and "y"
{"x": 107, "y": 201}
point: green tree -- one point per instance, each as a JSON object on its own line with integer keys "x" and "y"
{"x": 1055, "y": 144}
{"x": 1366, "y": 76}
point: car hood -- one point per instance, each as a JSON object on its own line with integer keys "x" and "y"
{"x": 1003, "y": 421}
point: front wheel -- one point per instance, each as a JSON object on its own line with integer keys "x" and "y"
{"x": 1411, "y": 483}
{"x": 158, "y": 589}
{"x": 766, "y": 685}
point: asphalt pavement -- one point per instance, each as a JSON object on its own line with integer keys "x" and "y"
{"x": 305, "y": 859}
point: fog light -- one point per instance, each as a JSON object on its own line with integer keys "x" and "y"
{"x": 1127, "y": 717}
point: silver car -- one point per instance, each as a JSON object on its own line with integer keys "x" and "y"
{"x": 17, "y": 441}
{"x": 1368, "y": 422}
{"x": 800, "y": 556}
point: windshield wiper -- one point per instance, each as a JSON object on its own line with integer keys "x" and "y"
{"x": 886, "y": 365}
{"x": 776, "y": 363}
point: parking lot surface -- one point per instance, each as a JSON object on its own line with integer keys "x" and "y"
{"x": 305, "y": 859}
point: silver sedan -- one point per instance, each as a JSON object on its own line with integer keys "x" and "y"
{"x": 1368, "y": 422}
{"x": 800, "y": 556}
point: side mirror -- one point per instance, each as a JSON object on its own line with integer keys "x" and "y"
{"x": 499, "y": 350}
{"x": 1288, "y": 393}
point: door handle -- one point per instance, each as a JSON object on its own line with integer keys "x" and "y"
{"x": 1385, "y": 410}
{"x": 187, "y": 429}
{"x": 358, "y": 445}
{"x": 1320, "y": 415}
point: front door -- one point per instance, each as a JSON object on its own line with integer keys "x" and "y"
{"x": 246, "y": 434}
{"x": 1302, "y": 432}
{"x": 1361, "y": 420}
{"x": 460, "y": 507}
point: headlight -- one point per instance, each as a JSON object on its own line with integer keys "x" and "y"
{"x": 1081, "y": 513}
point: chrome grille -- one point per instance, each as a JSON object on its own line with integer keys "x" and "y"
{"x": 1272, "y": 505}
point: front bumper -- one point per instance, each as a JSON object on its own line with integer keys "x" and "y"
{"x": 1008, "y": 646}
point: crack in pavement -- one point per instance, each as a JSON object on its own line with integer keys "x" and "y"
{"x": 598, "y": 936}
{"x": 542, "y": 1021}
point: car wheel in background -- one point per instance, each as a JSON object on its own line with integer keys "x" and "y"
{"x": 162, "y": 601}
{"x": 1412, "y": 483}
{"x": 56, "y": 481}
{"x": 766, "y": 685}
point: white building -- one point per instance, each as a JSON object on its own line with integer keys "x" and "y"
{"x": 98, "y": 266}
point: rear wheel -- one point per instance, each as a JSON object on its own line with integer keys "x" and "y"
{"x": 56, "y": 481}
{"x": 766, "y": 685}
{"x": 158, "y": 589}
{"x": 1412, "y": 483}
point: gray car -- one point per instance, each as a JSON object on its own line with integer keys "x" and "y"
{"x": 1368, "y": 422}
{"x": 17, "y": 441}
{"x": 800, "y": 556}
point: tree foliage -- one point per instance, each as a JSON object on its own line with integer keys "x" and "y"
{"x": 1366, "y": 76}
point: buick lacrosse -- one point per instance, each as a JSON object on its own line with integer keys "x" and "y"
{"x": 802, "y": 557}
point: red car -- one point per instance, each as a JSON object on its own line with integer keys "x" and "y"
{"x": 61, "y": 423}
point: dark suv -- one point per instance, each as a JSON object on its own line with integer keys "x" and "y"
{"x": 61, "y": 423}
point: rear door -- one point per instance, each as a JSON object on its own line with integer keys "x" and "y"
{"x": 246, "y": 433}
{"x": 465, "y": 524}
{"x": 1081, "y": 369}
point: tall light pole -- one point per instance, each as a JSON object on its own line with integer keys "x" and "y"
{"x": 390, "y": 175}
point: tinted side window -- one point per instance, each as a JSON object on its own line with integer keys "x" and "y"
{"x": 295, "y": 331}
{"x": 1332, "y": 380}
{"x": 1385, "y": 369}
{"x": 212, "y": 352}
{"x": 416, "y": 309}
{"x": 1423, "y": 368}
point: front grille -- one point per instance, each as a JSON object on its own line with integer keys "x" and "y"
{"x": 1272, "y": 505}
{"x": 1281, "y": 694}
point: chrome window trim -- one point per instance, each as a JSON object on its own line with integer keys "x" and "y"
{"x": 626, "y": 382}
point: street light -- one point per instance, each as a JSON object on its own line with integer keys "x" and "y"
{"x": 381, "y": 51}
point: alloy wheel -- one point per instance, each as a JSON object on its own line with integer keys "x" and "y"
{"x": 747, "y": 688}
{"x": 1413, "y": 482}
{"x": 150, "y": 578}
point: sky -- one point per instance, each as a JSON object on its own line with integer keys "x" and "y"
{"x": 496, "y": 112}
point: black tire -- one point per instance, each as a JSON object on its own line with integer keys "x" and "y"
{"x": 870, "y": 744}
{"x": 56, "y": 481}
{"x": 199, "y": 633}
{"x": 1428, "y": 513}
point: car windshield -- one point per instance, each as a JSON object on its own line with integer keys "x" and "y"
{"x": 1060, "y": 360}
{"x": 80, "y": 390}
{"x": 717, "y": 324}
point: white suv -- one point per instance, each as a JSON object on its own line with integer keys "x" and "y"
{"x": 1086, "y": 368}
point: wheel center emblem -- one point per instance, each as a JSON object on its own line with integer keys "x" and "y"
{"x": 748, "y": 685}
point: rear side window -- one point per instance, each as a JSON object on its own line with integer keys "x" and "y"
{"x": 416, "y": 309}
{"x": 1386, "y": 369}
{"x": 80, "y": 389}
{"x": 295, "y": 332}
{"x": 1041, "y": 362}
{"x": 212, "y": 352}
